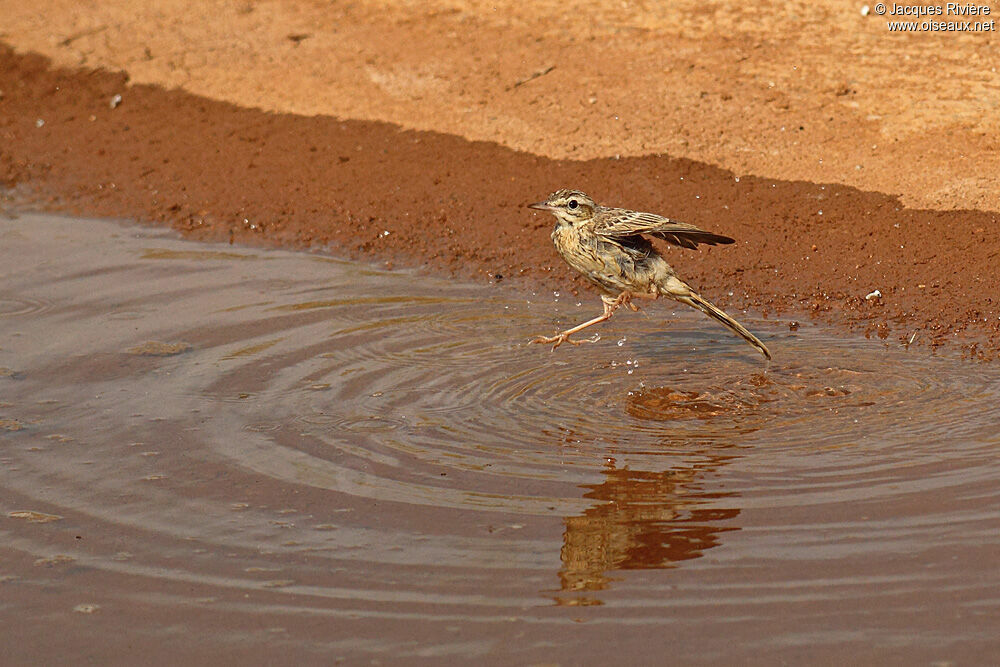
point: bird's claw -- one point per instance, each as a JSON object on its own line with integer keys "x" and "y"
{"x": 561, "y": 338}
{"x": 556, "y": 340}
{"x": 626, "y": 300}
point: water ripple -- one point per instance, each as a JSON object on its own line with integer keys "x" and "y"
{"x": 341, "y": 441}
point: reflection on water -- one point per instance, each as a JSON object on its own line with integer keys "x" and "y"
{"x": 641, "y": 520}
{"x": 375, "y": 464}
{"x": 742, "y": 397}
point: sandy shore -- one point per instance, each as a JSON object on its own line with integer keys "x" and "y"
{"x": 843, "y": 158}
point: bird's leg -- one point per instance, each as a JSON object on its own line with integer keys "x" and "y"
{"x": 652, "y": 296}
{"x": 610, "y": 306}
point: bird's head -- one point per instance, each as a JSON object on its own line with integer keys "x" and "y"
{"x": 569, "y": 206}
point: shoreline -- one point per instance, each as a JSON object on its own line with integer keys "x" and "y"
{"x": 216, "y": 171}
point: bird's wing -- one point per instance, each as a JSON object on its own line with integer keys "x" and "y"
{"x": 619, "y": 223}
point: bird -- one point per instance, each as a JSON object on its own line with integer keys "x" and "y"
{"x": 608, "y": 246}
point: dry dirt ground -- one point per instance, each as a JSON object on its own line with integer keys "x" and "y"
{"x": 844, "y": 157}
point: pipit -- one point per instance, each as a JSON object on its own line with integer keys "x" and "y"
{"x": 607, "y": 246}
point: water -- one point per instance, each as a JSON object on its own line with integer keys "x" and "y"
{"x": 283, "y": 456}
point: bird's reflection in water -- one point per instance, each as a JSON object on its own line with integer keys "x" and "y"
{"x": 641, "y": 520}
{"x": 650, "y": 519}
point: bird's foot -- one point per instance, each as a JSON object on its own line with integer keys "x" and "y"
{"x": 627, "y": 301}
{"x": 561, "y": 338}
{"x": 623, "y": 299}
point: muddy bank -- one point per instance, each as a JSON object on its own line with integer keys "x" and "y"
{"x": 369, "y": 189}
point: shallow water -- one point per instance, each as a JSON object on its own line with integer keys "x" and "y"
{"x": 217, "y": 451}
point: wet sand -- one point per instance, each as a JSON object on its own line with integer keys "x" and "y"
{"x": 218, "y": 452}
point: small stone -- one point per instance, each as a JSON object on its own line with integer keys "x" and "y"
{"x": 52, "y": 561}
{"x": 33, "y": 517}
{"x": 10, "y": 425}
{"x": 155, "y": 348}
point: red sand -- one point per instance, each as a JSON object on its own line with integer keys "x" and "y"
{"x": 217, "y": 171}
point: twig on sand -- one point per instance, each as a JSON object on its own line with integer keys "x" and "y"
{"x": 83, "y": 33}
{"x": 531, "y": 77}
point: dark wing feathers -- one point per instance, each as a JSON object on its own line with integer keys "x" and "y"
{"x": 618, "y": 223}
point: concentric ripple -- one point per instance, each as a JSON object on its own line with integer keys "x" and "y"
{"x": 247, "y": 434}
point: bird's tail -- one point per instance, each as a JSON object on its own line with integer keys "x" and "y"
{"x": 681, "y": 291}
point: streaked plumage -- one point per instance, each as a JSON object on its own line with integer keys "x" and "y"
{"x": 608, "y": 246}
{"x": 619, "y": 223}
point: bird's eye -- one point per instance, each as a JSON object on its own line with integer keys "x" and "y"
{"x": 572, "y": 203}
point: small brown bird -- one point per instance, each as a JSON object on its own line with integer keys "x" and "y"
{"x": 607, "y": 246}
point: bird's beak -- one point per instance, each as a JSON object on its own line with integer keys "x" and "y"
{"x": 542, "y": 206}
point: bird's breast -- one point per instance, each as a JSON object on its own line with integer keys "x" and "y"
{"x": 576, "y": 248}
{"x": 585, "y": 252}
